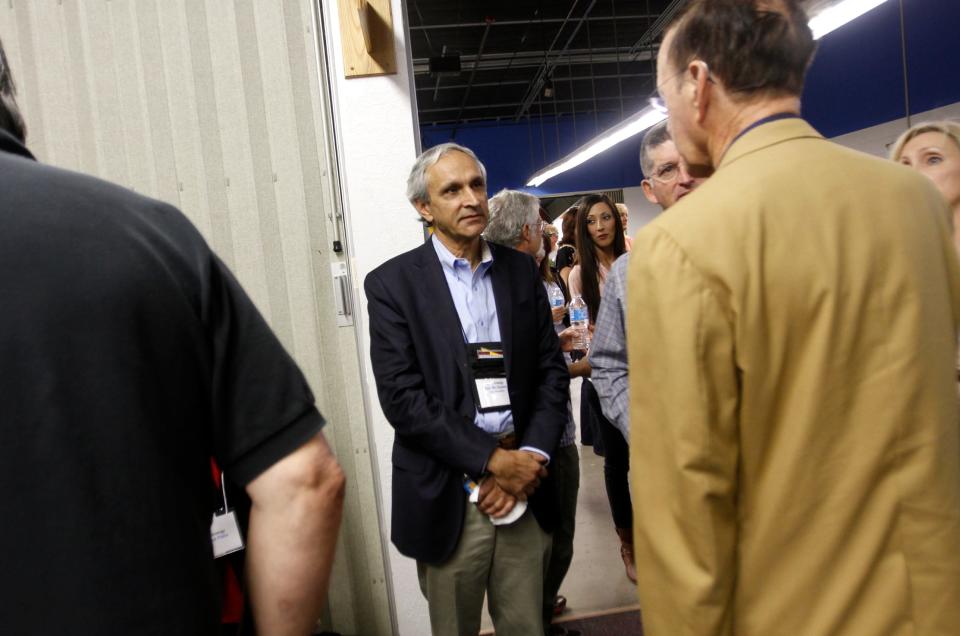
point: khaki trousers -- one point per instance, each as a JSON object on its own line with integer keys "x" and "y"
{"x": 507, "y": 563}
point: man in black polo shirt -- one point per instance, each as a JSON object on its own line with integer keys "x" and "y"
{"x": 129, "y": 356}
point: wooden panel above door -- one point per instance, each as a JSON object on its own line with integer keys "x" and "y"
{"x": 366, "y": 31}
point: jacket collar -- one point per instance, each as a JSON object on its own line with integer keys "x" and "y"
{"x": 446, "y": 312}
{"x": 766, "y": 135}
{"x": 10, "y": 144}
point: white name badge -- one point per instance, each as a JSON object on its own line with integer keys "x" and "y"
{"x": 493, "y": 392}
{"x": 225, "y": 534}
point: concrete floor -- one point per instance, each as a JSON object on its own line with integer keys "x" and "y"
{"x": 596, "y": 581}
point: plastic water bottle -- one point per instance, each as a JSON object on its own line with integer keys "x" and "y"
{"x": 555, "y": 295}
{"x": 579, "y": 317}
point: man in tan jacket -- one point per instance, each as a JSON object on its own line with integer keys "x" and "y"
{"x": 792, "y": 330}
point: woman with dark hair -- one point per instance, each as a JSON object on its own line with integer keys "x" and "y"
{"x": 600, "y": 242}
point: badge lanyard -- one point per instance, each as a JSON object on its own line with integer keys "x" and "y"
{"x": 224, "y": 530}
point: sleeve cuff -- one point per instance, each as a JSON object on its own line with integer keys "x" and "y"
{"x": 536, "y": 450}
{"x": 275, "y": 448}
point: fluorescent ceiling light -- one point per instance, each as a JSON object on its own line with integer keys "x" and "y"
{"x": 825, "y": 21}
{"x": 840, "y": 13}
{"x": 624, "y": 130}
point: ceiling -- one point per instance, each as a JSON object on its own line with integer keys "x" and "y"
{"x": 897, "y": 59}
{"x": 595, "y": 54}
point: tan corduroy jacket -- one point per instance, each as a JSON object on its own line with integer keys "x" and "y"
{"x": 795, "y": 456}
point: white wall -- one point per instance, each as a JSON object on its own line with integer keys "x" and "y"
{"x": 377, "y": 143}
{"x": 641, "y": 210}
{"x": 876, "y": 140}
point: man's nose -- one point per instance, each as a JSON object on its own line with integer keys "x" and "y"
{"x": 684, "y": 178}
{"x": 470, "y": 197}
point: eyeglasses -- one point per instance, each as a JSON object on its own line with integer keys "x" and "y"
{"x": 666, "y": 173}
{"x": 656, "y": 100}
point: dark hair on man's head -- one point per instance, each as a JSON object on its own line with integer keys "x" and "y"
{"x": 654, "y": 137}
{"x": 753, "y": 47}
{"x": 587, "y": 251}
{"x": 10, "y": 118}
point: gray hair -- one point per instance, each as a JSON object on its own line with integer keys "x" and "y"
{"x": 655, "y": 136}
{"x": 417, "y": 181}
{"x": 510, "y": 210}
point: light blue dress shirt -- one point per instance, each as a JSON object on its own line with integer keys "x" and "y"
{"x": 472, "y": 292}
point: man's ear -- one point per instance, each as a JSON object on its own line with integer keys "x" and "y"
{"x": 424, "y": 209}
{"x": 648, "y": 191}
{"x": 701, "y": 88}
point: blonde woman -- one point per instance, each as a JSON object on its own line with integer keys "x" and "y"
{"x": 934, "y": 149}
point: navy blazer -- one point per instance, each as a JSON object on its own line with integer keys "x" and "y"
{"x": 420, "y": 364}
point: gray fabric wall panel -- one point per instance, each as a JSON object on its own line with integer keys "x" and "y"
{"x": 182, "y": 104}
{"x": 250, "y": 66}
{"x": 99, "y": 57}
{"x": 132, "y": 91}
{"x": 280, "y": 143}
{"x": 237, "y": 154}
{"x": 28, "y": 80}
{"x": 158, "y": 112}
{"x": 211, "y": 147}
{"x": 59, "y": 110}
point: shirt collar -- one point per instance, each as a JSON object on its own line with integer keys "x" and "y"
{"x": 451, "y": 262}
{"x": 9, "y": 143}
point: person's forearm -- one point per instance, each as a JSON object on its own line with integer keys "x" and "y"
{"x": 290, "y": 549}
{"x": 613, "y": 387}
{"x": 580, "y": 368}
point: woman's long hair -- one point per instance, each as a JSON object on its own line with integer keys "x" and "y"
{"x": 569, "y": 227}
{"x": 587, "y": 250}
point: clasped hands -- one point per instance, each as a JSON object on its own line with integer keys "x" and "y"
{"x": 514, "y": 475}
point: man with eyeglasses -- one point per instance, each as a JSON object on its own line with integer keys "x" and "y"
{"x": 792, "y": 330}
{"x": 667, "y": 181}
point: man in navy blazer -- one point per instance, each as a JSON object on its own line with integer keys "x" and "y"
{"x": 430, "y": 310}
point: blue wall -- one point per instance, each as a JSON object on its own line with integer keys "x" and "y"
{"x": 856, "y": 81}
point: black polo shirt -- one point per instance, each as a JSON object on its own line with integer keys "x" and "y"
{"x": 129, "y": 356}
